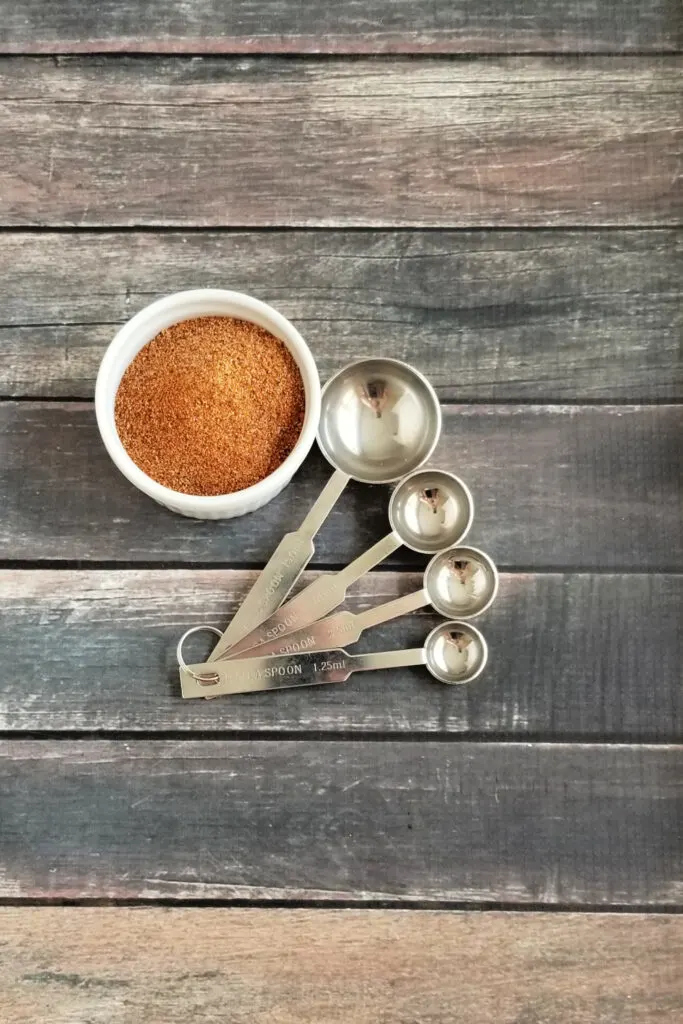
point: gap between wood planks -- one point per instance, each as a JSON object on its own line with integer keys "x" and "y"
{"x": 46, "y": 564}
{"x": 51, "y": 51}
{"x": 163, "y": 735}
{"x": 317, "y": 229}
{"x": 419, "y": 906}
{"x": 551, "y": 403}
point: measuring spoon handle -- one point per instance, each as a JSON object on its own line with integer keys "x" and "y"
{"x": 320, "y": 597}
{"x": 324, "y": 635}
{"x": 254, "y": 674}
{"x": 392, "y": 610}
{"x": 389, "y": 659}
{"x": 265, "y": 674}
{"x": 324, "y": 503}
{"x": 284, "y": 567}
{"x": 340, "y": 628}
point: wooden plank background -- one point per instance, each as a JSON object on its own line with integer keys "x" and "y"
{"x": 578, "y": 487}
{"x": 491, "y": 315}
{"x": 378, "y": 26}
{"x": 353, "y": 820}
{"x": 492, "y": 192}
{"x": 552, "y": 674}
{"x": 512, "y": 141}
{"x": 337, "y": 966}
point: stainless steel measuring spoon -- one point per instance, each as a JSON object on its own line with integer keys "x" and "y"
{"x": 380, "y": 419}
{"x": 430, "y": 510}
{"x": 454, "y": 652}
{"x": 460, "y": 583}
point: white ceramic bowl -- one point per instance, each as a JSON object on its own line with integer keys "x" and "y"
{"x": 144, "y": 326}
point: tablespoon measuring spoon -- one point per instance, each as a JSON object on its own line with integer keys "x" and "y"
{"x": 430, "y": 510}
{"x": 380, "y": 419}
{"x": 460, "y": 583}
{"x": 454, "y": 652}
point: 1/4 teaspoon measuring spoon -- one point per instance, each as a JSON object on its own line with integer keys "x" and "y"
{"x": 429, "y": 511}
{"x": 454, "y": 652}
{"x": 460, "y": 583}
{"x": 380, "y": 419}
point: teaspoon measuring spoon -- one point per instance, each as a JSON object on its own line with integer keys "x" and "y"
{"x": 429, "y": 511}
{"x": 454, "y": 652}
{"x": 380, "y": 419}
{"x": 459, "y": 583}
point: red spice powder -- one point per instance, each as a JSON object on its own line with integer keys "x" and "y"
{"x": 210, "y": 406}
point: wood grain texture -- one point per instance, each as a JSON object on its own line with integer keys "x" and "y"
{"x": 488, "y": 315}
{"x": 378, "y": 26}
{"x": 511, "y": 823}
{"x": 59, "y": 965}
{"x": 579, "y": 656}
{"x": 518, "y": 141}
{"x": 554, "y": 487}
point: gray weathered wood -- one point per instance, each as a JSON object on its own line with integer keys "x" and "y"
{"x": 487, "y": 315}
{"x": 554, "y": 487}
{"x": 582, "y": 656}
{"x": 137, "y": 966}
{"x": 378, "y": 26}
{"x": 511, "y": 823}
{"x": 428, "y": 143}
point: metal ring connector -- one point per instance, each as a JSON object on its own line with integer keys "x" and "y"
{"x": 206, "y": 680}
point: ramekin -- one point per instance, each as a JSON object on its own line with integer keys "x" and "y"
{"x": 144, "y": 326}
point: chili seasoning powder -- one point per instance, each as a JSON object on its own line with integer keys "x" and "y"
{"x": 210, "y": 406}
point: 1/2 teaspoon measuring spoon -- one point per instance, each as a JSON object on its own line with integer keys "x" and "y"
{"x": 460, "y": 583}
